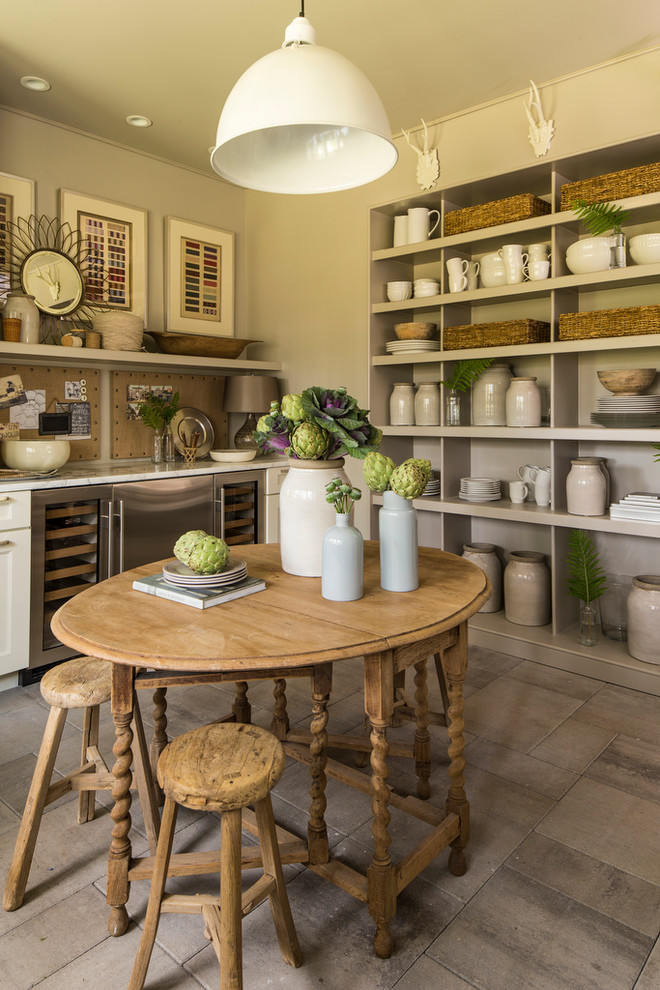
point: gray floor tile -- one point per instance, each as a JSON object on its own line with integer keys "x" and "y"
{"x": 650, "y": 975}
{"x": 519, "y": 933}
{"x": 527, "y": 771}
{"x": 8, "y": 820}
{"x": 621, "y": 710}
{"x": 625, "y": 898}
{"x": 610, "y": 825}
{"x": 426, "y": 973}
{"x": 15, "y": 699}
{"x": 553, "y": 679}
{"x": 631, "y": 765}
{"x": 516, "y": 714}
{"x": 574, "y": 744}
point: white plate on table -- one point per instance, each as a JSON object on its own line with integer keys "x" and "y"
{"x": 176, "y": 572}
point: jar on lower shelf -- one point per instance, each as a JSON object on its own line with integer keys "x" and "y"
{"x": 489, "y": 396}
{"x": 402, "y": 404}
{"x": 644, "y": 618}
{"x": 484, "y": 555}
{"x": 527, "y": 588}
{"x": 523, "y": 403}
{"x": 427, "y": 404}
{"x": 586, "y": 488}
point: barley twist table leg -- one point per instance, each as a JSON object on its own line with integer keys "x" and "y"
{"x": 455, "y": 664}
{"x": 317, "y": 832}
{"x": 280, "y": 723}
{"x": 380, "y": 875}
{"x": 159, "y": 737}
{"x": 241, "y": 708}
{"x": 422, "y": 737}
{"x": 120, "y": 847}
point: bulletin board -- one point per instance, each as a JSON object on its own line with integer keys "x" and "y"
{"x": 54, "y": 389}
{"x": 131, "y": 438}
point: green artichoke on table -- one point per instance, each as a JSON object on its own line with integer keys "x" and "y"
{"x": 408, "y": 480}
{"x": 202, "y": 553}
{"x": 377, "y": 470}
{"x": 310, "y": 442}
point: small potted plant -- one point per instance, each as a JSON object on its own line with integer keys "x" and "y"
{"x": 601, "y": 220}
{"x": 342, "y": 556}
{"x": 158, "y": 411}
{"x": 463, "y": 377}
{"x": 586, "y": 581}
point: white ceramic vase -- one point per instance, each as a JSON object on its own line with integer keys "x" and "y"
{"x": 23, "y": 307}
{"x": 342, "y": 561}
{"x": 527, "y": 588}
{"x": 305, "y": 515}
{"x": 586, "y": 488}
{"x": 484, "y": 555}
{"x": 489, "y": 396}
{"x": 523, "y": 403}
{"x": 402, "y": 404}
{"x": 427, "y": 404}
{"x": 644, "y": 618}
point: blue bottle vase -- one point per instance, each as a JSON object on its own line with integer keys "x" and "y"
{"x": 342, "y": 562}
{"x": 397, "y": 533}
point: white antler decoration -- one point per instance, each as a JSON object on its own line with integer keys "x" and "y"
{"x": 541, "y": 131}
{"x": 428, "y": 165}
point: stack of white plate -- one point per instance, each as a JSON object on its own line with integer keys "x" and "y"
{"x": 180, "y": 574}
{"x": 432, "y": 487}
{"x": 628, "y": 410}
{"x": 480, "y": 490}
{"x": 425, "y": 287}
{"x": 404, "y": 346}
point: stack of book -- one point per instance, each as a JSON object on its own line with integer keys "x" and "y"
{"x": 178, "y": 583}
{"x": 638, "y": 505}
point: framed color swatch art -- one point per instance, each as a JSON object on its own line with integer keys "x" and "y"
{"x": 199, "y": 283}
{"x": 116, "y": 236}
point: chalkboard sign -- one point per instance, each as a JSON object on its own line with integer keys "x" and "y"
{"x": 81, "y": 418}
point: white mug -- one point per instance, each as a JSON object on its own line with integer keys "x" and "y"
{"x": 535, "y": 270}
{"x": 400, "y": 230}
{"x": 513, "y": 273}
{"x": 518, "y": 491}
{"x": 457, "y": 266}
{"x": 541, "y": 478}
{"x": 457, "y": 283}
{"x": 472, "y": 274}
{"x": 419, "y": 224}
{"x": 525, "y": 474}
{"x": 511, "y": 252}
{"x": 538, "y": 252}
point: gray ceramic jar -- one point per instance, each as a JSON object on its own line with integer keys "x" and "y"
{"x": 484, "y": 555}
{"x": 644, "y": 618}
{"x": 527, "y": 588}
{"x": 489, "y": 396}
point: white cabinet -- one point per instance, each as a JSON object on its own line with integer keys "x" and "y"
{"x": 14, "y": 581}
{"x": 274, "y": 479}
{"x": 566, "y": 370}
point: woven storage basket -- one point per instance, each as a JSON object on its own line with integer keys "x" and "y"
{"x": 491, "y": 214}
{"x": 610, "y": 323}
{"x": 614, "y": 185}
{"x": 495, "y": 334}
{"x": 119, "y": 331}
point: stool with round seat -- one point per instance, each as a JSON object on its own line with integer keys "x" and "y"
{"x": 84, "y": 682}
{"x": 222, "y": 767}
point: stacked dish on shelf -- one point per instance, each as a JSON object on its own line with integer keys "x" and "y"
{"x": 413, "y": 337}
{"x": 626, "y": 407}
{"x": 405, "y": 346}
{"x": 480, "y": 490}
{"x": 432, "y": 486}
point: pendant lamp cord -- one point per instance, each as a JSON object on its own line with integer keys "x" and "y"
{"x": 302, "y": 8}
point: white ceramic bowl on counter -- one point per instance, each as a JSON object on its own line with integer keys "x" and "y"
{"x": 645, "y": 249}
{"x": 233, "y": 456}
{"x": 35, "y": 455}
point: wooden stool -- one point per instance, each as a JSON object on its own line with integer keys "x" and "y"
{"x": 80, "y": 683}
{"x": 221, "y": 767}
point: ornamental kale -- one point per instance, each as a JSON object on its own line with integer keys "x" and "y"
{"x": 332, "y": 411}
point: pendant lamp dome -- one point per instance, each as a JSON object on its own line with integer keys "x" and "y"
{"x": 303, "y": 119}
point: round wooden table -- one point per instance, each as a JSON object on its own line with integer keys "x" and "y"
{"x": 290, "y": 630}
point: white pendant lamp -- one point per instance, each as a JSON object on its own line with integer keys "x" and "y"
{"x": 303, "y": 119}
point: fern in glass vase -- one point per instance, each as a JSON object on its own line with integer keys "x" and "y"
{"x": 600, "y": 218}
{"x": 586, "y": 581}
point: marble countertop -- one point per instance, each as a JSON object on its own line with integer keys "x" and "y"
{"x": 113, "y": 472}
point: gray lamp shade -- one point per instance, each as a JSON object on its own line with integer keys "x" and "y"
{"x": 250, "y": 393}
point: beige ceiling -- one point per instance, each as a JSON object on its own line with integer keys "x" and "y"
{"x": 176, "y": 60}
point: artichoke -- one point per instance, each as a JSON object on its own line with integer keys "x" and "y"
{"x": 377, "y": 469}
{"x": 292, "y": 407}
{"x": 310, "y": 442}
{"x": 202, "y": 553}
{"x": 423, "y": 463}
{"x": 408, "y": 480}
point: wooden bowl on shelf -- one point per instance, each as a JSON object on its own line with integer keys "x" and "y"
{"x": 415, "y": 331}
{"x": 628, "y": 381}
{"x": 195, "y": 345}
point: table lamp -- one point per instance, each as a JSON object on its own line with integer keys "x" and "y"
{"x": 251, "y": 394}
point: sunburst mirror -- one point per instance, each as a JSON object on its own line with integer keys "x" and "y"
{"x": 50, "y": 261}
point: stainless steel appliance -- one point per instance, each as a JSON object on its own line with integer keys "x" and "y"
{"x": 82, "y": 535}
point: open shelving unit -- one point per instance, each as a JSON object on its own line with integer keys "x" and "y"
{"x": 565, "y": 371}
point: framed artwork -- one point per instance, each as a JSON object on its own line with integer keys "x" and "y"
{"x": 199, "y": 278}
{"x": 16, "y": 200}
{"x": 116, "y": 236}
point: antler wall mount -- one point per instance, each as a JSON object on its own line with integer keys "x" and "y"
{"x": 541, "y": 131}
{"x": 428, "y": 163}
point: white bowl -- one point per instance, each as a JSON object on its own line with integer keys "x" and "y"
{"x": 35, "y": 455}
{"x": 492, "y": 276}
{"x": 645, "y": 249}
{"x": 233, "y": 455}
{"x": 592, "y": 254}
{"x": 396, "y": 291}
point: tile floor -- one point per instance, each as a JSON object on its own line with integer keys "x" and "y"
{"x": 562, "y": 890}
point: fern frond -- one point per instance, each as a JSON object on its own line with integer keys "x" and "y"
{"x": 466, "y": 372}
{"x": 600, "y": 218}
{"x": 656, "y": 446}
{"x": 586, "y": 578}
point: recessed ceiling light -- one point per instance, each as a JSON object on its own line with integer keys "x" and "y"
{"x": 137, "y": 120}
{"x": 35, "y": 83}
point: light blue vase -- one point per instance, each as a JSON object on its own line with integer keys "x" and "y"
{"x": 397, "y": 533}
{"x": 342, "y": 563}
